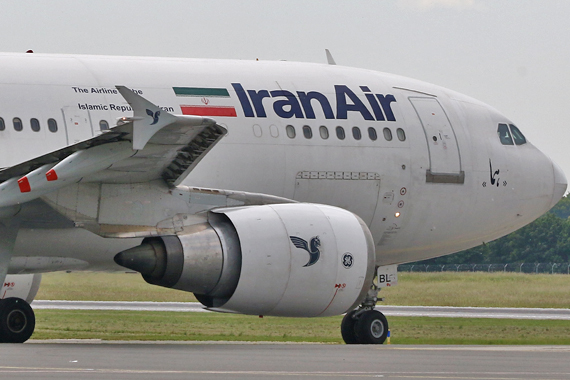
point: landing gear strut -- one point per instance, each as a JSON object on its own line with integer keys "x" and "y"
{"x": 17, "y": 320}
{"x": 365, "y": 325}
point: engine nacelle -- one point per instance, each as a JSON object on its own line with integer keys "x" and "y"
{"x": 24, "y": 286}
{"x": 303, "y": 260}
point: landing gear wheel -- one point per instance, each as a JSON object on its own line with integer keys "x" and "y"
{"x": 371, "y": 327}
{"x": 347, "y": 328}
{"x": 17, "y": 320}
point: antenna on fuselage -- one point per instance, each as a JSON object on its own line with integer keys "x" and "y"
{"x": 330, "y": 58}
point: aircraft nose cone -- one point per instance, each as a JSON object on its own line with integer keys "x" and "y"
{"x": 560, "y": 184}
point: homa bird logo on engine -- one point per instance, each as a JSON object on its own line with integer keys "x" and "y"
{"x": 313, "y": 250}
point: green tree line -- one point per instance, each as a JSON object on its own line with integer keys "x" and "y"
{"x": 546, "y": 240}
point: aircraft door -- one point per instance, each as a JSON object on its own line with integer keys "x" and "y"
{"x": 444, "y": 156}
{"x": 78, "y": 125}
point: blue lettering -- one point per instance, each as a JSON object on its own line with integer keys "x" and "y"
{"x": 373, "y": 103}
{"x": 242, "y": 96}
{"x": 301, "y": 107}
{"x": 342, "y": 107}
{"x": 291, "y": 103}
{"x": 386, "y": 106}
{"x": 306, "y": 98}
{"x": 257, "y": 100}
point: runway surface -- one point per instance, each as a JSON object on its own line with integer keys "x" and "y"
{"x": 404, "y": 311}
{"x": 142, "y": 361}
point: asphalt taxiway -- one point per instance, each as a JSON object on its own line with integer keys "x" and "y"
{"x": 142, "y": 361}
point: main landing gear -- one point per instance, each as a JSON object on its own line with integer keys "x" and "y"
{"x": 17, "y": 320}
{"x": 365, "y": 325}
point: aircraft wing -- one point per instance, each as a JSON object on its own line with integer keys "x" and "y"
{"x": 151, "y": 145}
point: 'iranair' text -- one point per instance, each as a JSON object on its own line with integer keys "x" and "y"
{"x": 287, "y": 105}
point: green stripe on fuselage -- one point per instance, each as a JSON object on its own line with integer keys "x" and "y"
{"x": 201, "y": 91}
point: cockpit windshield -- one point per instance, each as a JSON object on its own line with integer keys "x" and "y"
{"x": 509, "y": 133}
{"x": 505, "y": 134}
{"x": 517, "y": 135}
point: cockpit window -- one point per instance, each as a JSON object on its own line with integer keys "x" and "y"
{"x": 517, "y": 135}
{"x": 505, "y": 134}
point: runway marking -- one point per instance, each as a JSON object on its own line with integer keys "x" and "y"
{"x": 388, "y": 310}
{"x": 484, "y": 377}
{"x": 185, "y": 372}
{"x": 406, "y": 375}
{"x": 481, "y": 348}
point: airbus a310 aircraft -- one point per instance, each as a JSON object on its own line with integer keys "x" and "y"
{"x": 265, "y": 188}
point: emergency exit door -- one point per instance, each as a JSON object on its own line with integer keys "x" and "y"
{"x": 77, "y": 124}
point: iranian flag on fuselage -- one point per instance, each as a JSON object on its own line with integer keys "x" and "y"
{"x": 205, "y": 101}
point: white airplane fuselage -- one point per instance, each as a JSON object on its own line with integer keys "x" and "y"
{"x": 423, "y": 166}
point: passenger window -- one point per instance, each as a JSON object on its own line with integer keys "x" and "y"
{"x": 103, "y": 125}
{"x": 387, "y": 134}
{"x": 324, "y": 131}
{"x": 504, "y": 135}
{"x": 257, "y": 131}
{"x": 273, "y": 131}
{"x": 2, "y": 125}
{"x": 290, "y": 131}
{"x": 52, "y": 125}
{"x": 307, "y": 132}
{"x": 356, "y": 133}
{"x": 18, "y": 124}
{"x": 517, "y": 135}
{"x": 35, "y": 125}
{"x": 372, "y": 134}
{"x": 401, "y": 134}
{"x": 340, "y": 133}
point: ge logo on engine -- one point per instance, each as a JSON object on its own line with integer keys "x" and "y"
{"x": 347, "y": 260}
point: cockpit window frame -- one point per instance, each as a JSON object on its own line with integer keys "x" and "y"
{"x": 504, "y": 134}
{"x": 517, "y": 135}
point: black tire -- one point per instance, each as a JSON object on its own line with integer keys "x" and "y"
{"x": 371, "y": 328}
{"x": 17, "y": 321}
{"x": 347, "y": 328}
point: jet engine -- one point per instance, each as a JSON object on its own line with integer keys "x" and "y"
{"x": 24, "y": 286}
{"x": 301, "y": 260}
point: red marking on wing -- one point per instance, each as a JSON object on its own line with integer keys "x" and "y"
{"x": 51, "y": 175}
{"x": 24, "y": 185}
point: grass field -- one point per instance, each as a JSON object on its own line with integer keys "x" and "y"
{"x": 446, "y": 289}
{"x": 414, "y": 289}
{"x": 128, "y": 325}
{"x": 480, "y": 289}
